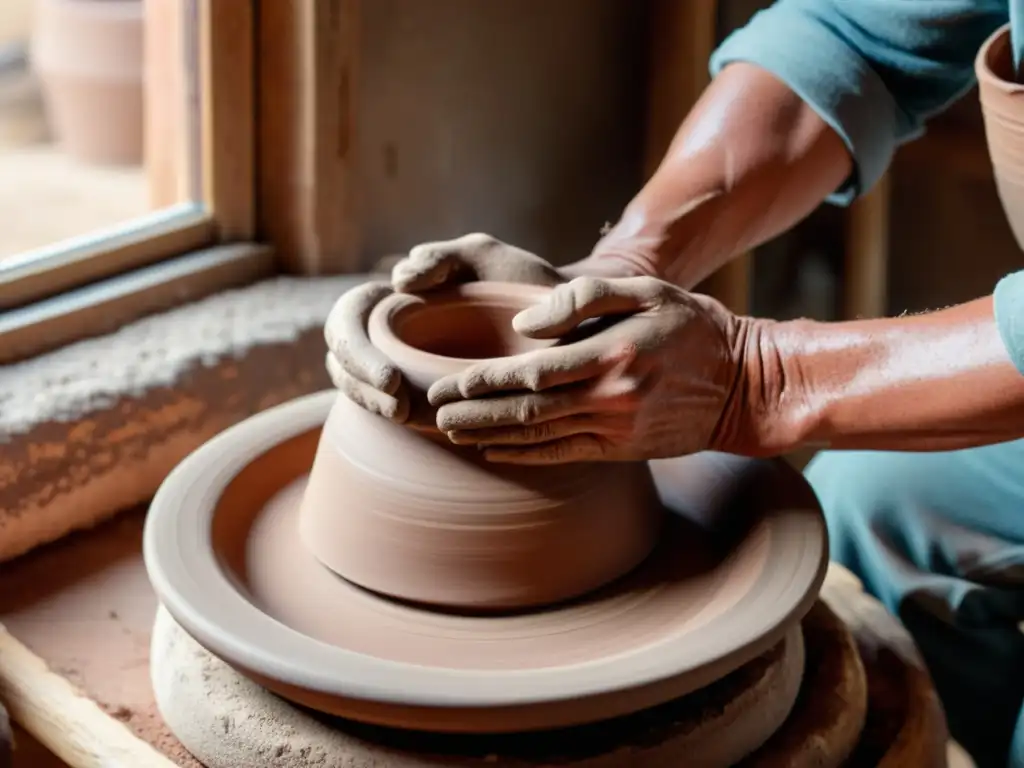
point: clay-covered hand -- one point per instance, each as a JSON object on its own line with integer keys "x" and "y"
{"x": 467, "y": 259}
{"x": 660, "y": 382}
{"x": 357, "y": 368}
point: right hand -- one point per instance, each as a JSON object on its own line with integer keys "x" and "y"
{"x": 358, "y": 369}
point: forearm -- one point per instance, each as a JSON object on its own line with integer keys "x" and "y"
{"x": 757, "y": 153}
{"x": 751, "y": 160}
{"x": 937, "y": 381}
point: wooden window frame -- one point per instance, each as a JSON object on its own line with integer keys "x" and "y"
{"x": 88, "y": 285}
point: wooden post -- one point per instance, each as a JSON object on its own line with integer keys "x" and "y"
{"x": 309, "y": 55}
{"x": 865, "y": 287}
{"x": 227, "y": 30}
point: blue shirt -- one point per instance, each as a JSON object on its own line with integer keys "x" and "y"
{"x": 876, "y": 70}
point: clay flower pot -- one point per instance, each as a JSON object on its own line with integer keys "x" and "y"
{"x": 88, "y": 55}
{"x": 1002, "y": 105}
{"x": 404, "y": 512}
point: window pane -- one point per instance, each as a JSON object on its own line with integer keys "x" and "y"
{"x": 97, "y": 117}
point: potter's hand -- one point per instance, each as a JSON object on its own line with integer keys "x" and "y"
{"x": 357, "y": 367}
{"x": 661, "y": 382}
{"x": 468, "y": 259}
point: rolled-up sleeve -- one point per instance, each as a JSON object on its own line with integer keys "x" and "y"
{"x": 874, "y": 70}
{"x": 1009, "y": 309}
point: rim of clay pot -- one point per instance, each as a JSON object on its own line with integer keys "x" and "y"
{"x": 388, "y": 316}
{"x": 996, "y": 46}
{"x": 212, "y": 608}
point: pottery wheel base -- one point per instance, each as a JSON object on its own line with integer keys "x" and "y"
{"x": 228, "y": 721}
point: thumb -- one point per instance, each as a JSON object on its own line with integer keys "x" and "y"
{"x": 585, "y": 298}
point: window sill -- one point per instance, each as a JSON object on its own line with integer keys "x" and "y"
{"x": 93, "y": 428}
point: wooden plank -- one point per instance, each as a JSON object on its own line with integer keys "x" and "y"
{"x": 865, "y": 287}
{"x": 309, "y": 56}
{"x": 228, "y": 113}
{"x": 107, "y": 305}
{"x": 74, "y": 656}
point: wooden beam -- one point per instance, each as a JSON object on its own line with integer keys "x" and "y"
{"x": 227, "y": 113}
{"x": 683, "y": 34}
{"x": 309, "y": 56}
{"x": 865, "y": 288}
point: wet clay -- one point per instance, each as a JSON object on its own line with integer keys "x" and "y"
{"x": 404, "y": 512}
{"x": 223, "y": 718}
{"x": 1002, "y": 107}
{"x": 740, "y": 560}
{"x": 412, "y": 516}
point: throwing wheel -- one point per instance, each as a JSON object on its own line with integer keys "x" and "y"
{"x": 740, "y": 562}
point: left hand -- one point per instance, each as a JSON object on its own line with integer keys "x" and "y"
{"x": 666, "y": 380}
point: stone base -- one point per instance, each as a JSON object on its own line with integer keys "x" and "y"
{"x": 228, "y": 721}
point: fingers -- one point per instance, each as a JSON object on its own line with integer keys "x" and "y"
{"x": 431, "y": 265}
{"x": 533, "y": 434}
{"x": 585, "y": 298}
{"x": 516, "y": 410}
{"x": 394, "y": 407}
{"x": 347, "y": 338}
{"x": 533, "y": 371}
{"x": 426, "y": 266}
{"x": 568, "y": 450}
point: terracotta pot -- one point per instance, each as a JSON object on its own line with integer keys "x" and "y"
{"x": 1002, "y": 106}
{"x": 406, "y": 513}
{"x": 88, "y": 55}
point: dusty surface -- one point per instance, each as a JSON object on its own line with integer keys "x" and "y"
{"x": 94, "y": 427}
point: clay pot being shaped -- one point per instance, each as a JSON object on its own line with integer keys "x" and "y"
{"x": 1002, "y": 106}
{"x": 88, "y": 55}
{"x": 404, "y": 512}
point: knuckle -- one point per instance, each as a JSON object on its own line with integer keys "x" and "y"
{"x": 651, "y": 287}
{"x": 534, "y": 379}
{"x": 527, "y": 410}
{"x": 540, "y": 432}
{"x": 587, "y": 290}
{"x": 471, "y": 382}
{"x": 419, "y": 253}
{"x": 478, "y": 239}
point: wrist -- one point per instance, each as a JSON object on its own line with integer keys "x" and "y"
{"x": 767, "y": 413}
{"x": 934, "y": 381}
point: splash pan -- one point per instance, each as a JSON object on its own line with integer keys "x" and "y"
{"x": 740, "y": 562}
